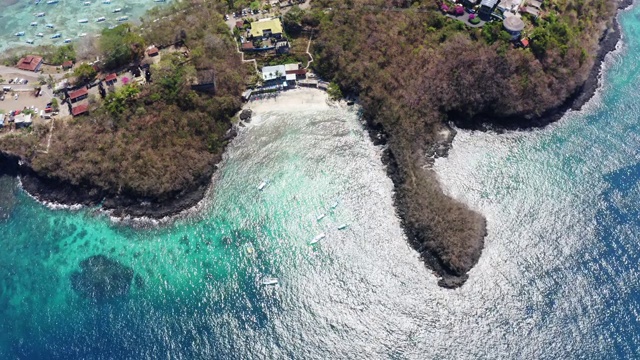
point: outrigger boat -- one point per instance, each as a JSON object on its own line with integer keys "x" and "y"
{"x": 55, "y": 36}
{"x": 21, "y": 33}
{"x": 101, "y": 19}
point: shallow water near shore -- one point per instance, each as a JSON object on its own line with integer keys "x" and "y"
{"x": 558, "y": 277}
{"x": 17, "y": 16}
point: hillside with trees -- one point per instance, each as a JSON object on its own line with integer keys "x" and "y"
{"x": 416, "y": 70}
{"x": 148, "y": 143}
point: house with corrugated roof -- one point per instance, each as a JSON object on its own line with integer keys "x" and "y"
{"x": 487, "y": 7}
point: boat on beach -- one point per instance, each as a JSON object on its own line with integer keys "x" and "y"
{"x": 20, "y": 33}
{"x": 317, "y": 238}
{"x": 320, "y": 217}
{"x": 342, "y": 227}
{"x": 101, "y": 19}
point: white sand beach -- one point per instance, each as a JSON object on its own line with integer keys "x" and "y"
{"x": 296, "y": 99}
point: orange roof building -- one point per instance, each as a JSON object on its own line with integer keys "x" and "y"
{"x": 79, "y": 110}
{"x": 30, "y": 63}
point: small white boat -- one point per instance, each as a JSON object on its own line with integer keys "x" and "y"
{"x": 263, "y": 185}
{"x": 342, "y": 227}
{"x": 83, "y": 21}
{"x": 39, "y": 34}
{"x": 123, "y": 18}
{"x": 50, "y": 2}
{"x": 106, "y": 1}
{"x": 82, "y": 34}
{"x": 55, "y": 36}
{"x": 66, "y": 41}
{"x": 37, "y": 2}
{"x": 159, "y": 0}
{"x": 40, "y": 15}
{"x": 86, "y": 3}
{"x": 334, "y": 205}
{"x": 101, "y": 19}
{"x": 21, "y": 33}
{"x": 29, "y": 41}
{"x": 320, "y": 217}
{"x": 35, "y": 23}
{"x": 269, "y": 281}
{"x": 116, "y": 10}
{"x": 317, "y": 238}
{"x": 50, "y": 26}
{"x": 112, "y": 27}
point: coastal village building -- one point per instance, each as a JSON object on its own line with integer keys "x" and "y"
{"x": 78, "y": 95}
{"x": 152, "y": 51}
{"x": 80, "y": 109}
{"x": 486, "y": 9}
{"x": 111, "y": 79}
{"x": 514, "y": 26}
{"x": 276, "y": 72}
{"x": 67, "y": 65}
{"x": 22, "y": 120}
{"x": 266, "y": 28}
{"x": 30, "y": 63}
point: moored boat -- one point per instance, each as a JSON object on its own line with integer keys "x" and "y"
{"x": 40, "y": 14}
{"x": 269, "y": 281}
{"x": 29, "y": 41}
{"x": 83, "y": 21}
{"x": 342, "y": 227}
{"x": 320, "y": 217}
{"x": 50, "y": 26}
{"x": 101, "y": 19}
{"x": 66, "y": 41}
{"x": 20, "y": 33}
{"x": 123, "y": 18}
{"x": 39, "y": 34}
{"x": 35, "y": 23}
{"x": 317, "y": 238}
{"x": 86, "y": 3}
{"x": 55, "y": 36}
{"x": 117, "y": 10}
{"x": 52, "y": 2}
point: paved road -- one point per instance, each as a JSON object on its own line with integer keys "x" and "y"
{"x": 32, "y": 76}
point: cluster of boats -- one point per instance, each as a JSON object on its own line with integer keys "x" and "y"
{"x": 81, "y": 21}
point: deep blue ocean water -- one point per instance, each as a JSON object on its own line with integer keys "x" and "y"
{"x": 558, "y": 277}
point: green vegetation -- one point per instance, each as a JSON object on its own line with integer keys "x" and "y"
{"x": 84, "y": 73}
{"x": 334, "y": 91}
{"x": 54, "y": 104}
{"x": 120, "y": 46}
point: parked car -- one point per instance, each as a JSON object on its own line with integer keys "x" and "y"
{"x": 10, "y": 81}
{"x": 25, "y": 81}
{"x": 2, "y": 97}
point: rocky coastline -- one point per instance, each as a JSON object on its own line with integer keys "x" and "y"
{"x": 52, "y": 190}
{"x": 484, "y": 122}
{"x": 487, "y": 121}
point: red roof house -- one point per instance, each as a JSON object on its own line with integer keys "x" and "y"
{"x": 80, "y": 109}
{"x": 247, "y": 46}
{"x": 524, "y": 42}
{"x": 153, "y": 51}
{"x": 78, "y": 95}
{"x": 239, "y": 24}
{"x": 67, "y": 64}
{"x": 111, "y": 78}
{"x": 30, "y": 63}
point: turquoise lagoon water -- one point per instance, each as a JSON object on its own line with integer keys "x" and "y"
{"x": 558, "y": 277}
{"x": 17, "y": 16}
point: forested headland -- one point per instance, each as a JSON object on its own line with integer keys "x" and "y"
{"x": 149, "y": 144}
{"x": 416, "y": 71}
